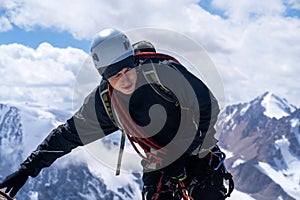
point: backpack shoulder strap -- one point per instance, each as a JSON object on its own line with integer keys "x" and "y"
{"x": 107, "y": 105}
{"x": 146, "y": 62}
{"x": 154, "y": 56}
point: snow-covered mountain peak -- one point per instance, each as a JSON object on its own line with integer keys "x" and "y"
{"x": 263, "y": 138}
{"x": 268, "y": 105}
{"x": 276, "y": 107}
{"x": 10, "y": 128}
{"x": 11, "y": 133}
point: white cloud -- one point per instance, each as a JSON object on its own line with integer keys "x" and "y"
{"x": 45, "y": 75}
{"x": 265, "y": 59}
{"x": 5, "y": 24}
{"x": 255, "y": 48}
{"x": 245, "y": 9}
{"x": 86, "y": 17}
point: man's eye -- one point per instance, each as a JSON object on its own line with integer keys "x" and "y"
{"x": 121, "y": 73}
{"x": 117, "y": 75}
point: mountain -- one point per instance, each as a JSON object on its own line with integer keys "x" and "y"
{"x": 10, "y": 137}
{"x": 263, "y": 138}
{"x": 72, "y": 177}
{"x": 74, "y": 182}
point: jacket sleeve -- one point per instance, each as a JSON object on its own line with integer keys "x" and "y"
{"x": 206, "y": 115}
{"x": 88, "y": 124}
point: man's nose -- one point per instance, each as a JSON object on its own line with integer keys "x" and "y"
{"x": 124, "y": 77}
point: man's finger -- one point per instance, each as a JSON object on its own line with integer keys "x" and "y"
{"x": 5, "y": 196}
{"x": 7, "y": 189}
{"x": 13, "y": 192}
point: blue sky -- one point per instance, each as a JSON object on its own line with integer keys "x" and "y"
{"x": 34, "y": 37}
{"x": 246, "y": 40}
{"x": 207, "y": 5}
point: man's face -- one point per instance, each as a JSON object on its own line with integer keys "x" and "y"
{"x": 124, "y": 81}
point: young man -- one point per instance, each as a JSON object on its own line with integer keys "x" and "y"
{"x": 159, "y": 105}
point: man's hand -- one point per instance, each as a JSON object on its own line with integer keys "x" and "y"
{"x": 14, "y": 182}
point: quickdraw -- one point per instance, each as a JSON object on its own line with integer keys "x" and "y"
{"x": 220, "y": 155}
{"x": 184, "y": 191}
{"x": 178, "y": 190}
{"x": 226, "y": 175}
{"x": 213, "y": 167}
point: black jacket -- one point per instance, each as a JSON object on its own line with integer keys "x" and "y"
{"x": 185, "y": 126}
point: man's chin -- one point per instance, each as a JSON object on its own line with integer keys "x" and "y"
{"x": 128, "y": 90}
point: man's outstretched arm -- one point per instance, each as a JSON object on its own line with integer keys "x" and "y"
{"x": 88, "y": 124}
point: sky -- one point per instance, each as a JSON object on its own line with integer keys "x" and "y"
{"x": 44, "y": 45}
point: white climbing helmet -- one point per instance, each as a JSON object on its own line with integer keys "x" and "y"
{"x": 111, "y": 52}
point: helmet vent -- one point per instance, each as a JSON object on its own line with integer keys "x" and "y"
{"x": 126, "y": 44}
{"x": 95, "y": 57}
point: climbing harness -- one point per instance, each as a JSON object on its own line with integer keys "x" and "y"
{"x": 183, "y": 189}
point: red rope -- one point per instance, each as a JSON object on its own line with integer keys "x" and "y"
{"x": 131, "y": 127}
{"x": 184, "y": 191}
{"x": 158, "y": 188}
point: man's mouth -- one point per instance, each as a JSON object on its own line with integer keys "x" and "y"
{"x": 127, "y": 87}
